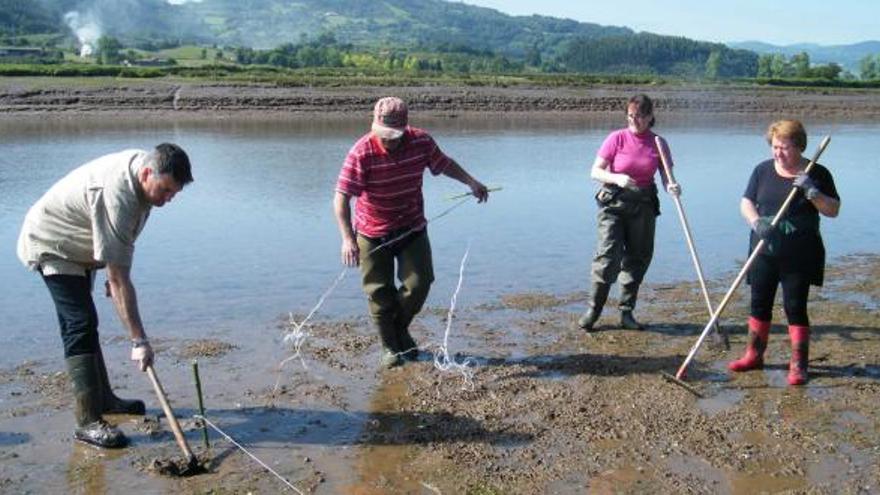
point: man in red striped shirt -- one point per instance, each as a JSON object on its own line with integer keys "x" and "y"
{"x": 384, "y": 170}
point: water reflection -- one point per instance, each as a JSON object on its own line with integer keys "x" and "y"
{"x": 254, "y": 237}
{"x": 86, "y": 471}
{"x": 383, "y": 465}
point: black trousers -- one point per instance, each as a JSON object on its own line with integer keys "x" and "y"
{"x": 77, "y": 315}
{"x": 765, "y": 277}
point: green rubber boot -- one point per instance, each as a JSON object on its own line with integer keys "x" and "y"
{"x": 91, "y": 427}
{"x": 111, "y": 403}
{"x": 391, "y": 351}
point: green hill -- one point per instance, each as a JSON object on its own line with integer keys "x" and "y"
{"x": 402, "y": 25}
{"x": 269, "y": 23}
{"x": 19, "y": 18}
{"x": 646, "y": 53}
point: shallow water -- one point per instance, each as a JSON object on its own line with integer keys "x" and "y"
{"x": 254, "y": 237}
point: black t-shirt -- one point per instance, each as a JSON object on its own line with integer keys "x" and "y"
{"x": 800, "y": 248}
{"x": 768, "y": 190}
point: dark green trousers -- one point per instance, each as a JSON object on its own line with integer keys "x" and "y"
{"x": 625, "y": 241}
{"x": 390, "y": 306}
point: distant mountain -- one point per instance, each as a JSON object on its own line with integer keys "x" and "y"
{"x": 129, "y": 20}
{"x": 552, "y": 43}
{"x": 269, "y": 23}
{"x": 18, "y": 17}
{"x": 847, "y": 56}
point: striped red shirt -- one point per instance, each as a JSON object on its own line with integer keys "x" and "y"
{"x": 388, "y": 187}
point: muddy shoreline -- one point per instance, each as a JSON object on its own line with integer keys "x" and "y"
{"x": 59, "y": 99}
{"x": 549, "y": 409}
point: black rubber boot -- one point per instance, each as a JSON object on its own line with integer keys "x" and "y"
{"x": 91, "y": 427}
{"x": 408, "y": 346}
{"x": 629, "y": 293}
{"x": 112, "y": 404}
{"x": 598, "y": 296}
{"x": 628, "y": 321}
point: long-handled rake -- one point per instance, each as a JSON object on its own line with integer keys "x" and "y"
{"x": 661, "y": 148}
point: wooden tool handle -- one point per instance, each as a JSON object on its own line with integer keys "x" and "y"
{"x": 661, "y": 149}
{"x": 175, "y": 426}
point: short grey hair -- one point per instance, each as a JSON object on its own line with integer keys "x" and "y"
{"x": 169, "y": 158}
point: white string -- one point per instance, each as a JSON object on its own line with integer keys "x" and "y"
{"x": 252, "y": 456}
{"x": 297, "y": 337}
{"x": 442, "y": 361}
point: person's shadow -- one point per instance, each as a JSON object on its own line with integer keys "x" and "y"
{"x": 557, "y": 366}
{"x": 252, "y": 426}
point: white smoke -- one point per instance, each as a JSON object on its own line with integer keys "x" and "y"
{"x": 87, "y": 31}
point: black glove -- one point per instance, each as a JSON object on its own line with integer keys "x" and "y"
{"x": 763, "y": 228}
{"x": 806, "y": 184}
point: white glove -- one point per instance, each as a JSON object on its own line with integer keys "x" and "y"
{"x": 142, "y": 353}
{"x": 623, "y": 180}
{"x": 673, "y": 188}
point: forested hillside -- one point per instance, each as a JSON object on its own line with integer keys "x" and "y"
{"x": 17, "y": 17}
{"x": 269, "y": 23}
{"x": 646, "y": 53}
{"x": 432, "y": 35}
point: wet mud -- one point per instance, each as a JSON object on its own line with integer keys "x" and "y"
{"x": 177, "y": 467}
{"x": 550, "y": 408}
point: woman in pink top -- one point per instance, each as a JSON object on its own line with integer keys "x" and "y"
{"x": 628, "y": 206}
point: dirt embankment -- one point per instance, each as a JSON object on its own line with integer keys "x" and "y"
{"x": 59, "y": 97}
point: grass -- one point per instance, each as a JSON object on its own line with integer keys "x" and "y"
{"x": 207, "y": 69}
{"x": 186, "y": 53}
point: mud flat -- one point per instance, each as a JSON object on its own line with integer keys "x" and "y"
{"x": 550, "y": 409}
{"x": 58, "y": 98}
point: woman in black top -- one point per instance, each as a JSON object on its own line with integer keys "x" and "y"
{"x": 794, "y": 255}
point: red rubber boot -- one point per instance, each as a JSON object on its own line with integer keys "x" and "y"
{"x": 753, "y": 359}
{"x": 800, "y": 354}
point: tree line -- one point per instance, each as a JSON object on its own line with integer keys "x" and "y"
{"x": 777, "y": 66}
{"x": 642, "y": 54}
{"x": 870, "y": 67}
{"x": 325, "y": 51}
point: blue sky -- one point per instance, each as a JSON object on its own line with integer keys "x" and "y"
{"x": 782, "y": 22}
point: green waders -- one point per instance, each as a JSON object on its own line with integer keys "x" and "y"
{"x": 626, "y": 222}
{"x": 392, "y": 309}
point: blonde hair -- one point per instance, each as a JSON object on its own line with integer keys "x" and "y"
{"x": 788, "y": 129}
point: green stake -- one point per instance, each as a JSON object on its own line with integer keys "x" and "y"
{"x": 201, "y": 402}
